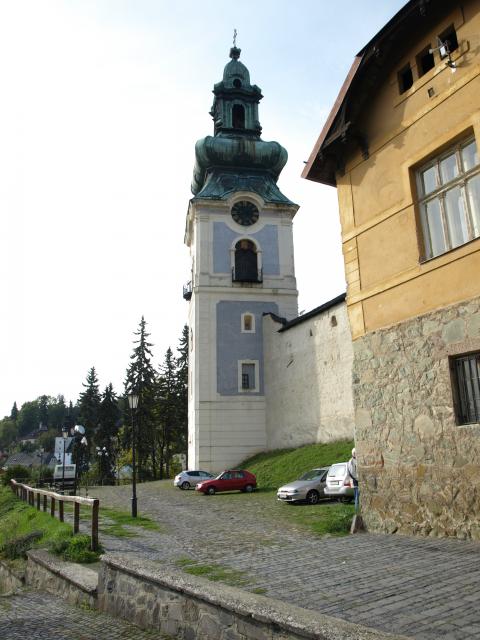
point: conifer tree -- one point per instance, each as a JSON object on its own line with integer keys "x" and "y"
{"x": 88, "y": 415}
{"x": 14, "y": 412}
{"x": 106, "y": 435}
{"x": 167, "y": 410}
{"x": 43, "y": 411}
{"x": 182, "y": 393}
{"x": 141, "y": 379}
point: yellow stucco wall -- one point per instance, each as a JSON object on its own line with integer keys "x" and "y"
{"x": 382, "y": 240}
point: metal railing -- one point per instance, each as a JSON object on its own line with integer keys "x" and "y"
{"x": 32, "y": 495}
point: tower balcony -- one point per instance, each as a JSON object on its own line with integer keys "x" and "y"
{"x": 241, "y": 274}
{"x": 187, "y": 290}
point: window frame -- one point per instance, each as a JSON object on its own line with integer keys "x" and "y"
{"x": 461, "y": 400}
{"x": 439, "y": 194}
{"x": 256, "y": 388}
{"x": 242, "y": 322}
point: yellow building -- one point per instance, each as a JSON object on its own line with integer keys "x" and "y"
{"x": 401, "y": 146}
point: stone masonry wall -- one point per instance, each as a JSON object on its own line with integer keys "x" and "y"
{"x": 419, "y": 471}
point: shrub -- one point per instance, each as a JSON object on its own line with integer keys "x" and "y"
{"x": 17, "y": 472}
{"x": 18, "y": 547}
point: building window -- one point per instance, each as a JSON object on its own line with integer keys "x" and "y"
{"x": 466, "y": 387}
{"x": 248, "y": 323}
{"x": 248, "y": 376}
{"x": 448, "y": 40}
{"x": 425, "y": 61}
{"x": 238, "y": 117}
{"x": 405, "y": 78}
{"x": 449, "y": 190}
{"x": 246, "y": 265}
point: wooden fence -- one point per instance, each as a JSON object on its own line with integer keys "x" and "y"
{"x": 32, "y": 496}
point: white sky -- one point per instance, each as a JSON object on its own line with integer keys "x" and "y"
{"x": 101, "y": 104}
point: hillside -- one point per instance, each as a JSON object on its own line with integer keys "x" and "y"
{"x": 274, "y": 468}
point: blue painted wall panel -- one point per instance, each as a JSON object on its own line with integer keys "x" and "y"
{"x": 267, "y": 238}
{"x": 233, "y": 345}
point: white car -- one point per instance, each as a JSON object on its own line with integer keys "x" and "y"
{"x": 339, "y": 482}
{"x": 187, "y": 479}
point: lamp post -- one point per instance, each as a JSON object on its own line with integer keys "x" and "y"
{"x": 133, "y": 404}
{"x": 102, "y": 453}
{"x": 64, "y": 436}
{"x": 79, "y": 439}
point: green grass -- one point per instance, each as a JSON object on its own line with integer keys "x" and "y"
{"x": 23, "y": 527}
{"x": 120, "y": 523}
{"x": 218, "y": 573}
{"x": 275, "y": 468}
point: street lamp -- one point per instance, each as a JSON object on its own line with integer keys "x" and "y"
{"x": 64, "y": 436}
{"x": 79, "y": 438}
{"x": 102, "y": 453}
{"x": 133, "y": 404}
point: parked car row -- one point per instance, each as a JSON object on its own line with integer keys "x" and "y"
{"x": 323, "y": 482}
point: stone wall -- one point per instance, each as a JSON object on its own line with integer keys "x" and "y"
{"x": 11, "y": 579}
{"x": 308, "y": 379}
{"x": 419, "y": 471}
{"x": 192, "y": 608}
{"x": 73, "y": 582}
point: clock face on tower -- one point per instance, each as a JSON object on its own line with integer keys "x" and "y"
{"x": 245, "y": 213}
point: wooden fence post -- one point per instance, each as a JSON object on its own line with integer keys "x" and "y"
{"x": 52, "y": 507}
{"x": 95, "y": 508}
{"x": 76, "y": 517}
{"x": 38, "y": 502}
{"x": 60, "y": 510}
{"x": 44, "y": 502}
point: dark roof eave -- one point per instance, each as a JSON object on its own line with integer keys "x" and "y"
{"x": 314, "y": 312}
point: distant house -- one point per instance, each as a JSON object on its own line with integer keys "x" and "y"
{"x": 29, "y": 460}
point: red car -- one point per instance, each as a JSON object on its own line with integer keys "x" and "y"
{"x": 231, "y": 480}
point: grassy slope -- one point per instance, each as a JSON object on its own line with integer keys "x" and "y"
{"x": 275, "y": 468}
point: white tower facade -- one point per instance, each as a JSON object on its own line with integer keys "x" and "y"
{"x": 239, "y": 233}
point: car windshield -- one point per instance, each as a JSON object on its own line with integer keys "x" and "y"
{"x": 337, "y": 470}
{"x": 311, "y": 475}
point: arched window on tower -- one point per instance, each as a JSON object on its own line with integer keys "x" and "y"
{"x": 246, "y": 262}
{"x": 238, "y": 116}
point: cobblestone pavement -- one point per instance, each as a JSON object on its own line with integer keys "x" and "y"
{"x": 423, "y": 588}
{"x": 29, "y": 615}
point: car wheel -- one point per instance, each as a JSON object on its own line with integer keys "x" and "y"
{"x": 210, "y": 491}
{"x": 185, "y": 485}
{"x": 248, "y": 488}
{"x": 312, "y": 497}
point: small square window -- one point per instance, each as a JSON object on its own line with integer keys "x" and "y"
{"x": 466, "y": 387}
{"x": 248, "y": 323}
{"x": 425, "y": 61}
{"x": 405, "y": 78}
{"x": 248, "y": 376}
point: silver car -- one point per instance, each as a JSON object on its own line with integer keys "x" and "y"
{"x": 339, "y": 482}
{"x": 187, "y": 479}
{"x": 310, "y": 487}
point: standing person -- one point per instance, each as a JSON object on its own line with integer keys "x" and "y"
{"x": 352, "y": 470}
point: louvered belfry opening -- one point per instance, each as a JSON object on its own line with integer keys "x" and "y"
{"x": 246, "y": 267}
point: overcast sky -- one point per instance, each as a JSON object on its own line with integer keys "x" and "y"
{"x": 101, "y": 104}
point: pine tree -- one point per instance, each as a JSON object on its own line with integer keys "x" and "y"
{"x": 43, "y": 411}
{"x": 88, "y": 415}
{"x": 106, "y": 435}
{"x": 182, "y": 393}
{"x": 141, "y": 379}
{"x": 89, "y": 403}
{"x": 14, "y": 412}
{"x": 167, "y": 410}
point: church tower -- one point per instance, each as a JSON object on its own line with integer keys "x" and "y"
{"x": 239, "y": 232}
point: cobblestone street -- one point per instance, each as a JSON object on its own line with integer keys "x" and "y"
{"x": 29, "y": 615}
{"x": 423, "y": 588}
